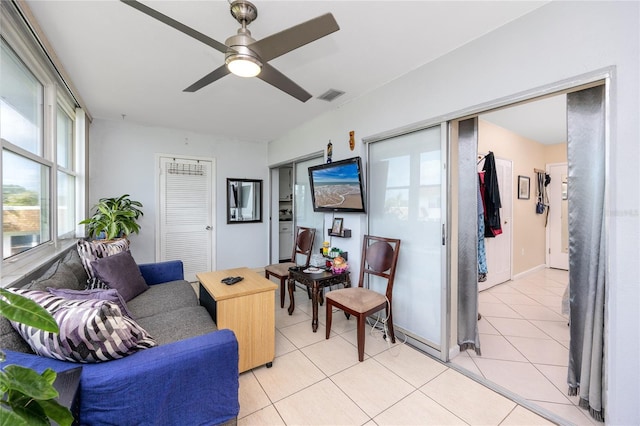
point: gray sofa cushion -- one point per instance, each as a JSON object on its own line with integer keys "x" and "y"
{"x": 178, "y": 324}
{"x": 161, "y": 298}
{"x": 72, "y": 260}
{"x": 59, "y": 275}
{"x": 10, "y": 339}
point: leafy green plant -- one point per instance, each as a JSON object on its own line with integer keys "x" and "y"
{"x": 116, "y": 217}
{"x": 28, "y": 397}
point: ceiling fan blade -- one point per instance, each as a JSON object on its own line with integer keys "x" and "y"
{"x": 287, "y": 40}
{"x": 208, "y": 79}
{"x": 275, "y": 78}
{"x": 177, "y": 25}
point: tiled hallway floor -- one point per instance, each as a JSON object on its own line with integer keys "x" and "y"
{"x": 524, "y": 339}
{"x": 315, "y": 381}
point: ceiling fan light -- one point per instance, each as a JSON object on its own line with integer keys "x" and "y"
{"x": 243, "y": 65}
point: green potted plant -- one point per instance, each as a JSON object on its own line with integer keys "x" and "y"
{"x": 114, "y": 218}
{"x": 28, "y": 398}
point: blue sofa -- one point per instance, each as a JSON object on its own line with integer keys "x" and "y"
{"x": 190, "y": 378}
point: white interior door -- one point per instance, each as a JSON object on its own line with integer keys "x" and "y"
{"x": 558, "y": 229}
{"x": 186, "y": 214}
{"x": 499, "y": 248}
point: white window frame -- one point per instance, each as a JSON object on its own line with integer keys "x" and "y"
{"x": 19, "y": 38}
{"x": 70, "y": 111}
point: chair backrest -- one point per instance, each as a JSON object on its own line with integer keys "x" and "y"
{"x": 303, "y": 243}
{"x": 379, "y": 258}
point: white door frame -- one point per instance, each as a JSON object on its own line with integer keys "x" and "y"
{"x": 553, "y": 259}
{"x": 575, "y": 83}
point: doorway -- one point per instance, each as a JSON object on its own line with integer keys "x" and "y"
{"x": 504, "y": 331}
{"x": 291, "y": 206}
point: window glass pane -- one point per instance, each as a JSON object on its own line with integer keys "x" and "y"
{"x": 20, "y": 103}
{"x": 404, "y": 202}
{"x": 25, "y": 204}
{"x": 66, "y": 204}
{"x": 64, "y": 139}
{"x": 430, "y": 179}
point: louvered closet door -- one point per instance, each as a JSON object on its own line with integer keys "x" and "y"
{"x": 186, "y": 216}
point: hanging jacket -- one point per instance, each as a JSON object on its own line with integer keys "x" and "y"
{"x": 492, "y": 221}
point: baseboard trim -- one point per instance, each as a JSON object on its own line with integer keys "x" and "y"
{"x": 529, "y": 272}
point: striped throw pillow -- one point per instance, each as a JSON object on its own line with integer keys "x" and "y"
{"x": 90, "y": 330}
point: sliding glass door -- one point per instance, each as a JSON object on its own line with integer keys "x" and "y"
{"x": 302, "y": 204}
{"x": 407, "y": 200}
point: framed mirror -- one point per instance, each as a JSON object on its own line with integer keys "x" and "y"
{"x": 244, "y": 200}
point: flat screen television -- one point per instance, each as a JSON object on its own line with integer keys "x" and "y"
{"x": 337, "y": 186}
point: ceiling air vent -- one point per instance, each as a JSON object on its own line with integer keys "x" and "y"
{"x": 330, "y": 95}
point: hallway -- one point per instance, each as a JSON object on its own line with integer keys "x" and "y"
{"x": 524, "y": 340}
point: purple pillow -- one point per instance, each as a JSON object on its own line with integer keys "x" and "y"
{"x": 121, "y": 272}
{"x": 110, "y": 295}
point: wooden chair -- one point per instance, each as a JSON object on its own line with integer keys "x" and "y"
{"x": 303, "y": 246}
{"x": 379, "y": 258}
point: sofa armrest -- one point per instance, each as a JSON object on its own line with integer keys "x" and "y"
{"x": 191, "y": 381}
{"x": 162, "y": 272}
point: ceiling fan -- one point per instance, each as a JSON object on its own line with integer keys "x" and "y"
{"x": 246, "y": 57}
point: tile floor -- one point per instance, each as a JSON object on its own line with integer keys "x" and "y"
{"x": 524, "y": 339}
{"x": 315, "y": 381}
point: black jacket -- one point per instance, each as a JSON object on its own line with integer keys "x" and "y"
{"x": 491, "y": 198}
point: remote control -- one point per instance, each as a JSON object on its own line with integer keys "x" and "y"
{"x": 232, "y": 280}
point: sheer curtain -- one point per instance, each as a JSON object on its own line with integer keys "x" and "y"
{"x": 586, "y": 150}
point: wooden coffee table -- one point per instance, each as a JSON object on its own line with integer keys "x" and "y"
{"x": 247, "y": 308}
{"x": 315, "y": 281}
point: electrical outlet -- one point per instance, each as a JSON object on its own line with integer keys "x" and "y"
{"x": 523, "y": 252}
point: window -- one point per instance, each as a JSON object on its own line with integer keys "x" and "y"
{"x": 39, "y": 162}
{"x": 64, "y": 125}
{"x": 21, "y": 103}
{"x": 25, "y": 179}
{"x": 66, "y": 179}
{"x": 25, "y": 203}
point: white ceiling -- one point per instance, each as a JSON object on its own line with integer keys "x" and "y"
{"x": 543, "y": 120}
{"x": 126, "y": 63}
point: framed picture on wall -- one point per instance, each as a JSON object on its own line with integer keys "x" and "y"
{"x": 337, "y": 226}
{"x": 524, "y": 187}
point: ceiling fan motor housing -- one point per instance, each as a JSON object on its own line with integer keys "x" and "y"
{"x": 238, "y": 48}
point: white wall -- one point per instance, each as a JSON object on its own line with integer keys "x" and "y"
{"x": 559, "y": 41}
{"x": 122, "y": 161}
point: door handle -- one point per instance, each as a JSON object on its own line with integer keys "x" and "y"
{"x": 208, "y": 228}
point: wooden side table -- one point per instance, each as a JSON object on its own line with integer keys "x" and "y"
{"x": 247, "y": 308}
{"x": 315, "y": 281}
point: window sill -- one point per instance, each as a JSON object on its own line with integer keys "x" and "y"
{"x": 19, "y": 269}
